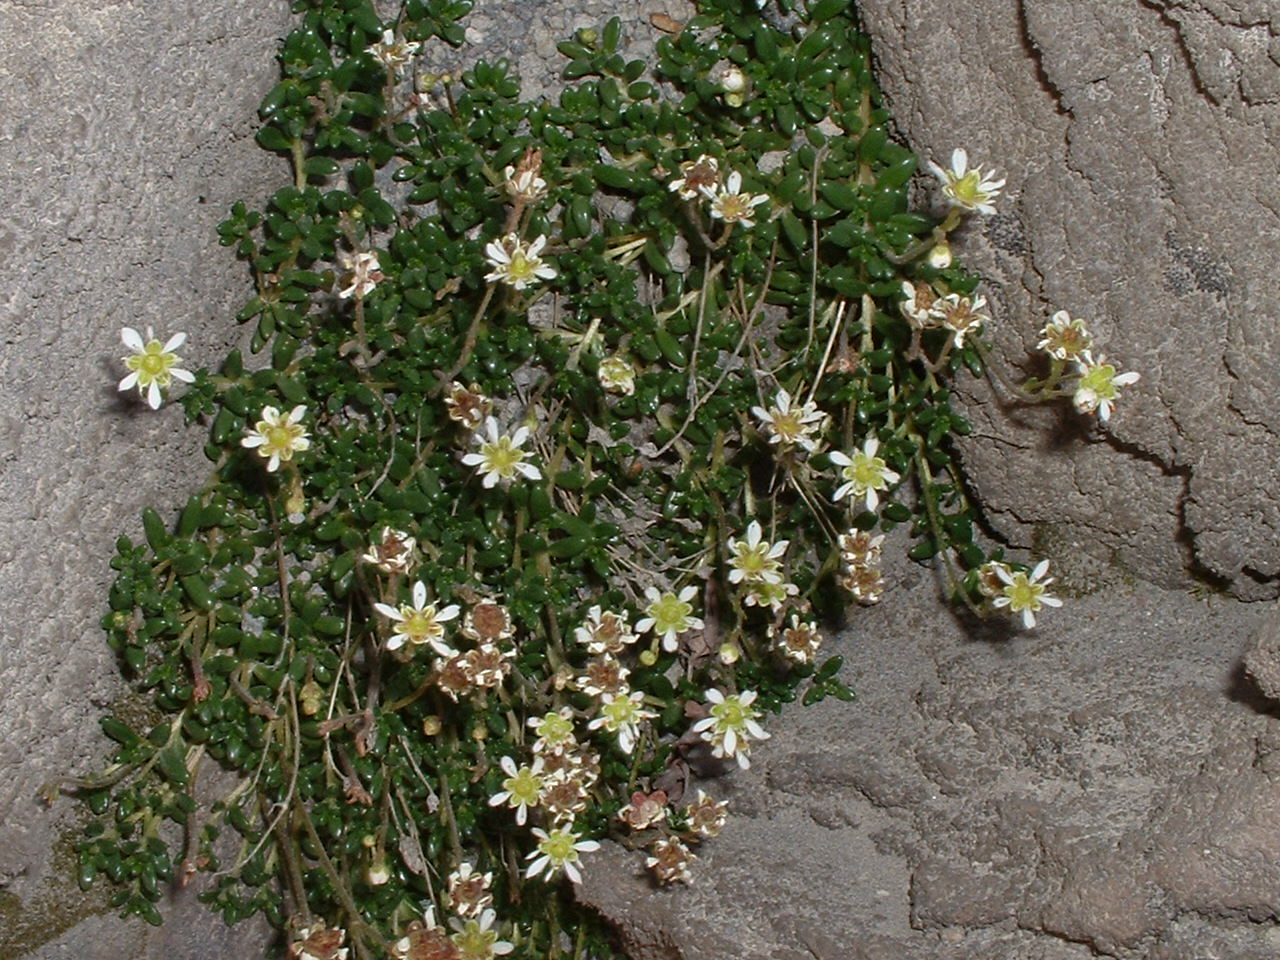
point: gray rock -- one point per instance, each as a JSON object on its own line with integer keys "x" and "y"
{"x": 1262, "y": 659}
{"x": 1140, "y": 145}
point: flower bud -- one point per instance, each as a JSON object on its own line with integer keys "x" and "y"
{"x": 940, "y": 256}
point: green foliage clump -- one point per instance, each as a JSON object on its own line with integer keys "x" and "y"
{"x": 509, "y": 380}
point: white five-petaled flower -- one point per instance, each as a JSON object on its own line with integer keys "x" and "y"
{"x": 1064, "y": 338}
{"x": 669, "y": 615}
{"x": 755, "y": 560}
{"x": 1025, "y": 594}
{"x": 558, "y": 850}
{"x": 554, "y": 730}
{"x": 277, "y": 437}
{"x": 522, "y": 788}
{"x": 362, "y": 272}
{"x": 500, "y": 457}
{"x": 918, "y": 305}
{"x": 864, "y": 474}
{"x": 965, "y": 187}
{"x": 420, "y": 623}
{"x": 393, "y": 51}
{"x": 800, "y": 641}
{"x": 617, "y": 375}
{"x": 622, "y": 714}
{"x": 961, "y": 315}
{"x": 697, "y": 177}
{"x": 476, "y": 939}
{"x": 1098, "y": 387}
{"x": 731, "y": 206}
{"x": 152, "y": 365}
{"x": 790, "y": 424}
{"x": 763, "y": 593}
{"x": 517, "y": 263}
{"x": 731, "y": 725}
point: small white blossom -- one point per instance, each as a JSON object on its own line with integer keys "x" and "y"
{"x": 617, "y": 375}
{"x": 395, "y": 552}
{"x": 622, "y": 715}
{"x": 362, "y": 274}
{"x": 521, "y": 789}
{"x": 558, "y": 850}
{"x": 605, "y": 632}
{"x": 864, "y": 474}
{"x": 517, "y": 263}
{"x": 731, "y": 725}
{"x": 800, "y": 641}
{"x": 1098, "y": 387}
{"x": 393, "y": 51}
{"x": 554, "y": 730}
{"x": 1064, "y": 338}
{"x": 961, "y": 315}
{"x": 153, "y": 365}
{"x": 965, "y": 187}
{"x": 469, "y": 891}
{"x": 276, "y": 437}
{"x": 789, "y": 424}
{"x": 762, "y": 593}
{"x": 732, "y": 206}
{"x": 476, "y": 939}
{"x": 669, "y": 615}
{"x": 754, "y": 559}
{"x": 698, "y": 177}
{"x": 1025, "y": 594}
{"x": 501, "y": 457}
{"x": 420, "y": 622}
{"x": 918, "y": 305}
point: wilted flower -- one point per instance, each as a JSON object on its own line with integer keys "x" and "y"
{"x": 706, "y": 815}
{"x": 990, "y": 580}
{"x": 789, "y": 424}
{"x": 864, "y": 473}
{"x": 558, "y": 850}
{"x": 487, "y": 621}
{"x": 800, "y": 641}
{"x": 644, "y": 810}
{"x": 500, "y": 457}
{"x": 516, "y": 263}
{"x": 521, "y": 789}
{"x": 393, "y": 51}
{"x": 605, "y": 632}
{"x": 865, "y": 583}
{"x": 277, "y": 437}
{"x": 731, "y": 206}
{"x": 669, "y": 615}
{"x": 1098, "y": 387}
{"x": 617, "y": 375}
{"x": 467, "y": 405}
{"x": 731, "y": 724}
{"x": 319, "y": 942}
{"x": 469, "y": 891}
{"x": 487, "y": 665}
{"x": 961, "y": 315}
{"x": 153, "y": 365}
{"x": 604, "y": 675}
{"x": 698, "y": 177}
{"x": 420, "y": 622}
{"x": 1066, "y": 339}
{"x": 1025, "y": 594}
{"x": 754, "y": 559}
{"x": 564, "y": 798}
{"x": 860, "y": 547}
{"x": 969, "y": 189}
{"x": 918, "y": 305}
{"x": 522, "y": 181}
{"x": 393, "y": 553}
{"x": 363, "y": 273}
{"x": 425, "y": 941}
{"x": 454, "y": 677}
{"x": 670, "y": 861}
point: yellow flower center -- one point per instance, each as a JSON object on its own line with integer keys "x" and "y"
{"x": 521, "y": 267}
{"x": 866, "y": 472}
{"x": 558, "y": 846}
{"x": 420, "y": 625}
{"x": 1023, "y": 594}
{"x": 501, "y": 457}
{"x": 524, "y": 787}
{"x": 734, "y": 206}
{"x": 1099, "y": 381}
{"x": 730, "y": 715}
{"x": 669, "y": 612}
{"x": 966, "y": 189}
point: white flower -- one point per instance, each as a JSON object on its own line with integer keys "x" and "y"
{"x": 969, "y": 189}
{"x": 554, "y": 730}
{"x": 623, "y": 714}
{"x": 698, "y": 177}
{"x": 762, "y": 593}
{"x": 860, "y": 547}
{"x": 1025, "y": 595}
{"x": 362, "y": 274}
{"x": 1066, "y": 339}
{"x": 516, "y": 263}
{"x": 669, "y": 615}
{"x": 522, "y": 788}
{"x": 477, "y": 940}
{"x": 605, "y": 632}
{"x": 393, "y": 51}
{"x": 729, "y": 205}
{"x": 420, "y": 623}
{"x": 558, "y": 850}
{"x": 500, "y": 457}
{"x": 617, "y": 375}
{"x": 800, "y": 641}
{"x": 864, "y": 473}
{"x": 469, "y": 891}
{"x": 918, "y": 305}
{"x": 961, "y": 315}
{"x": 792, "y": 425}
{"x": 755, "y": 560}
{"x": 394, "y": 552}
{"x": 152, "y": 365}
{"x": 731, "y": 725}
{"x": 276, "y": 437}
{"x": 1097, "y": 389}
